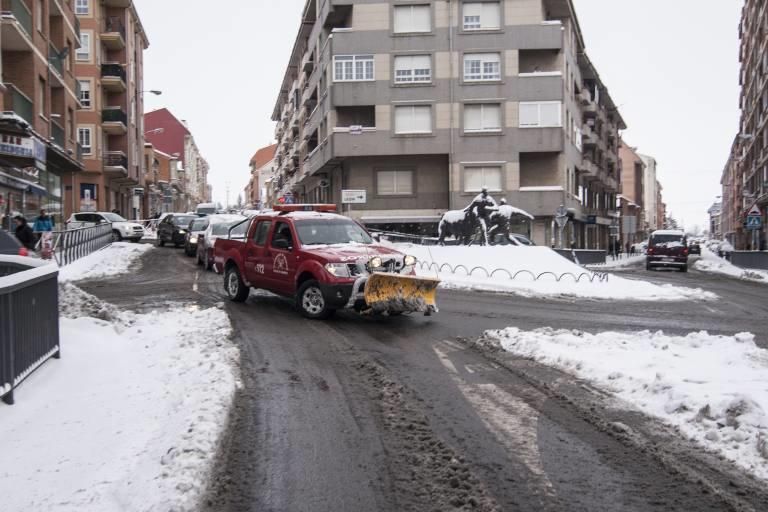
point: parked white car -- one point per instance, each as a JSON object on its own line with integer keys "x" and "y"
{"x": 122, "y": 229}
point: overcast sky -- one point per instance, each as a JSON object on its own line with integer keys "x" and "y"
{"x": 671, "y": 66}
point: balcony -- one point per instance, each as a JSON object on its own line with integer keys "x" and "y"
{"x": 113, "y": 77}
{"x": 17, "y": 26}
{"x": 588, "y": 137}
{"x": 19, "y": 103}
{"x": 114, "y": 121}
{"x": 113, "y": 35}
{"x": 116, "y": 163}
{"x": 57, "y": 134}
{"x": 584, "y": 97}
{"x": 590, "y": 170}
{"x": 117, "y": 3}
{"x": 590, "y": 110}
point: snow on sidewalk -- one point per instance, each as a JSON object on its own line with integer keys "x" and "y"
{"x": 712, "y": 263}
{"x": 511, "y": 260}
{"x": 113, "y": 260}
{"x": 713, "y": 388}
{"x": 129, "y": 419}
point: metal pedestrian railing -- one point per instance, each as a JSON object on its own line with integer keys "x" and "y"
{"x": 29, "y": 319}
{"x": 73, "y": 244}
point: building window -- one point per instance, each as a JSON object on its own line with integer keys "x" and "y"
{"x": 413, "y": 119}
{"x": 85, "y": 93}
{"x": 81, "y": 7}
{"x": 475, "y": 178}
{"x": 71, "y": 124}
{"x": 84, "y": 52}
{"x": 485, "y": 117}
{"x": 39, "y": 15}
{"x": 41, "y": 96}
{"x": 394, "y": 183}
{"x": 540, "y": 114}
{"x": 577, "y": 137}
{"x": 482, "y": 15}
{"x": 84, "y": 138}
{"x": 413, "y": 69}
{"x": 410, "y": 19}
{"x": 353, "y": 68}
{"x": 482, "y": 67}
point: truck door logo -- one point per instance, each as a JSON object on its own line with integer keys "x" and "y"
{"x": 281, "y": 264}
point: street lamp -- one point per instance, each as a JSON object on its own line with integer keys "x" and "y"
{"x": 153, "y": 91}
{"x": 155, "y": 131}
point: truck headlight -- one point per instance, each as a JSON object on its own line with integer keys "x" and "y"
{"x": 338, "y": 269}
{"x": 182, "y": 232}
{"x": 193, "y": 239}
{"x": 376, "y": 262}
{"x": 410, "y": 261}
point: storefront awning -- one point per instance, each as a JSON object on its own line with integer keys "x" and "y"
{"x": 23, "y": 185}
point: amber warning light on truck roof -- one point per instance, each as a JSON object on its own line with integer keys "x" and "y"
{"x": 287, "y": 208}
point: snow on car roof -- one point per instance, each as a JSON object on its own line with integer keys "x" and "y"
{"x": 304, "y": 215}
{"x": 676, "y": 232}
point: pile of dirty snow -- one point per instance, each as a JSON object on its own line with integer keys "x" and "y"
{"x": 712, "y": 263}
{"x": 129, "y": 419}
{"x": 713, "y": 388}
{"x": 115, "y": 259}
{"x": 499, "y": 263}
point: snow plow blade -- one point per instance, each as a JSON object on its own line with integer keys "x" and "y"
{"x": 394, "y": 293}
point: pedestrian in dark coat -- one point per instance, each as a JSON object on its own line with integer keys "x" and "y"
{"x": 24, "y": 233}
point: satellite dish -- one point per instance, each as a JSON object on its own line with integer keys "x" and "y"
{"x": 324, "y": 184}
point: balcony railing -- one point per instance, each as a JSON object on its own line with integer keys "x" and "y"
{"x": 115, "y": 159}
{"x": 54, "y": 57}
{"x": 80, "y": 152}
{"x": 115, "y": 24}
{"x": 57, "y": 134}
{"x": 19, "y": 11}
{"x": 19, "y": 103}
{"x": 77, "y": 27}
{"x": 112, "y": 70}
{"x": 114, "y": 115}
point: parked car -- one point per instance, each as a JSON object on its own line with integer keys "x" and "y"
{"x": 640, "y": 247}
{"x": 694, "y": 248}
{"x": 122, "y": 229}
{"x": 10, "y": 245}
{"x": 667, "y": 248}
{"x": 324, "y": 262}
{"x": 196, "y": 228}
{"x": 173, "y": 229}
{"x": 218, "y": 226}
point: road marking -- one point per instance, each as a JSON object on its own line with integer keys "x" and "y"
{"x": 195, "y": 286}
{"x": 711, "y": 310}
{"x": 510, "y": 419}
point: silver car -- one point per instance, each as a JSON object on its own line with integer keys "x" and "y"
{"x": 218, "y": 226}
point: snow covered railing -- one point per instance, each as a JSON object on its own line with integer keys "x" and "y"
{"x": 482, "y": 271}
{"x": 29, "y": 319}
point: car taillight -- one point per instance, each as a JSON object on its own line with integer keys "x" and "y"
{"x": 23, "y": 251}
{"x": 685, "y": 252}
{"x": 650, "y": 250}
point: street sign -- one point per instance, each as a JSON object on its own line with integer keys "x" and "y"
{"x": 755, "y": 211}
{"x": 353, "y": 196}
{"x": 562, "y": 211}
{"x": 754, "y": 223}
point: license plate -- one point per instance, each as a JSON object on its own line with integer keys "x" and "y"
{"x": 667, "y": 259}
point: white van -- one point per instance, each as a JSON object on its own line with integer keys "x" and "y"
{"x": 204, "y": 209}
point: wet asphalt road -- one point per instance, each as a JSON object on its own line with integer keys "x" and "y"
{"x": 360, "y": 414}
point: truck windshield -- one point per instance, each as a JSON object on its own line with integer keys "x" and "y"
{"x": 331, "y": 232}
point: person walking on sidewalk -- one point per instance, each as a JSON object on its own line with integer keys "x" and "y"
{"x": 24, "y": 233}
{"x": 44, "y": 223}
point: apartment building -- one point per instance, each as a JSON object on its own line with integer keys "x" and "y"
{"x": 632, "y": 197}
{"x": 715, "y": 213}
{"x": 650, "y": 194}
{"x": 733, "y": 200}
{"x": 261, "y": 168}
{"x": 164, "y": 182}
{"x": 109, "y": 67}
{"x": 172, "y": 136}
{"x": 39, "y": 154}
{"x": 751, "y": 144}
{"x": 423, "y": 103}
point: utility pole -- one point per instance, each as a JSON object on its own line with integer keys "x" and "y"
{"x": 227, "y": 205}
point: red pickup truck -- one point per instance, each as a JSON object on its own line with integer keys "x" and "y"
{"x": 323, "y": 261}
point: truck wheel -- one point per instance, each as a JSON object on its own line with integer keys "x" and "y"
{"x": 311, "y": 302}
{"x": 234, "y": 285}
{"x": 684, "y": 269}
{"x": 116, "y": 236}
{"x": 207, "y": 262}
{"x": 160, "y": 241}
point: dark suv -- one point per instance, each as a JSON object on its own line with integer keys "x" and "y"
{"x": 667, "y": 248}
{"x": 173, "y": 229}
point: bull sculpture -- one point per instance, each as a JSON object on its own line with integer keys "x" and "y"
{"x": 483, "y": 215}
